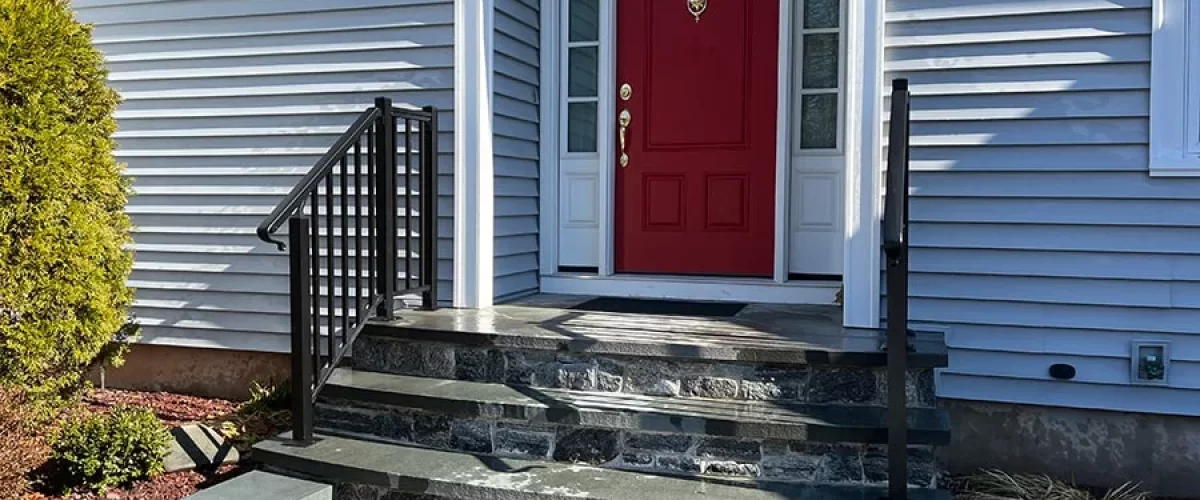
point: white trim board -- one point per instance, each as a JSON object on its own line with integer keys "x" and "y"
{"x": 864, "y": 132}
{"x": 474, "y": 175}
{"x": 763, "y": 290}
{"x": 862, "y": 128}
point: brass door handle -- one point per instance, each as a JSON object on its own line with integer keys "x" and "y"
{"x": 624, "y": 120}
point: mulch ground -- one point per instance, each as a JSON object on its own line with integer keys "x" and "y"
{"x": 173, "y": 410}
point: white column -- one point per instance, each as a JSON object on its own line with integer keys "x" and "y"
{"x": 864, "y": 162}
{"x": 474, "y": 204}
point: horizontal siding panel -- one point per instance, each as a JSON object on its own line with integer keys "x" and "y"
{"x": 1162, "y": 400}
{"x": 1090, "y": 369}
{"x": 924, "y": 10}
{"x": 1002, "y": 29}
{"x": 1061, "y": 264}
{"x": 1055, "y": 341}
{"x": 188, "y": 32}
{"x": 1148, "y": 240}
{"x": 1033, "y": 132}
{"x": 1068, "y": 185}
{"x": 1054, "y": 290}
{"x": 1029, "y": 159}
{"x": 1067, "y": 78}
{"x": 1050, "y": 105}
{"x": 221, "y": 9}
{"x": 1148, "y": 320}
{"x": 516, "y": 148}
{"x": 1153, "y": 212}
{"x": 1021, "y": 54}
{"x": 227, "y": 104}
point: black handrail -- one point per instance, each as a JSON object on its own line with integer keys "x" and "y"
{"x": 344, "y": 247}
{"x": 895, "y": 247}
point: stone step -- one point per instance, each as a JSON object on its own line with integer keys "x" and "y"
{"x": 371, "y": 470}
{"x": 632, "y": 412}
{"x": 529, "y": 362}
{"x": 761, "y": 333}
{"x": 259, "y": 484}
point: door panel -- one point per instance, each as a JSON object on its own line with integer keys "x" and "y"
{"x": 698, "y": 191}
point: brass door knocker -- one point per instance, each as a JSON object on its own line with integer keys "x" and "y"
{"x": 697, "y": 7}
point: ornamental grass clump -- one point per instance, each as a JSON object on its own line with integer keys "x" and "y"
{"x": 63, "y": 229}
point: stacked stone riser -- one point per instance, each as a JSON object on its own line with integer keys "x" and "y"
{"x": 713, "y": 379}
{"x": 725, "y": 458}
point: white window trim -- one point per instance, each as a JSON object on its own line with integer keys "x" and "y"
{"x": 1174, "y": 76}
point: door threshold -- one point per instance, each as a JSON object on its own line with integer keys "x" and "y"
{"x": 755, "y": 290}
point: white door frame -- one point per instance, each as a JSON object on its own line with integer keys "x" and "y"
{"x": 864, "y": 99}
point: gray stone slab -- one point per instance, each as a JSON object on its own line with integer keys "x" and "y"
{"x": 459, "y": 475}
{"x": 761, "y": 333}
{"x": 746, "y": 419}
{"x": 197, "y": 445}
{"x": 265, "y": 485}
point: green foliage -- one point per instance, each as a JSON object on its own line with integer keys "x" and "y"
{"x": 99, "y": 451}
{"x": 267, "y": 412}
{"x": 63, "y": 230}
{"x": 269, "y": 397}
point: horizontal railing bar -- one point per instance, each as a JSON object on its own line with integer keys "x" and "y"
{"x": 407, "y": 291}
{"x": 296, "y": 197}
{"x": 412, "y": 114}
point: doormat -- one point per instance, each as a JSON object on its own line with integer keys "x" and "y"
{"x": 661, "y": 307}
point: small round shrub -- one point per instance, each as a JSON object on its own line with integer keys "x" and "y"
{"x": 63, "y": 229}
{"x": 103, "y": 450}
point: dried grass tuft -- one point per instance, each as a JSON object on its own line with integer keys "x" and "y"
{"x": 999, "y": 485}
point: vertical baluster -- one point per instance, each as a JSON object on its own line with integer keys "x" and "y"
{"x": 345, "y": 240}
{"x": 386, "y": 208}
{"x": 429, "y": 222}
{"x": 408, "y": 204}
{"x": 357, "y": 229}
{"x": 329, "y": 261}
{"x": 302, "y": 329}
{"x": 371, "y": 209}
{"x": 315, "y": 244}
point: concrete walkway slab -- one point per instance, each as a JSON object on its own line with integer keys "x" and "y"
{"x": 264, "y": 486}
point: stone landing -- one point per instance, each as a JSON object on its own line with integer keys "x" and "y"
{"x": 776, "y": 395}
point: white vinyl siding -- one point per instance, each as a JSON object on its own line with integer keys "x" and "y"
{"x": 227, "y": 103}
{"x": 515, "y": 144}
{"x": 1038, "y": 235}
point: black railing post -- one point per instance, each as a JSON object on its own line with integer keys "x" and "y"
{"x": 385, "y": 207}
{"x": 896, "y": 247}
{"x": 429, "y": 210}
{"x": 303, "y": 329}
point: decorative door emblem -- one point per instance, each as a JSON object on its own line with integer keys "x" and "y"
{"x": 697, "y": 7}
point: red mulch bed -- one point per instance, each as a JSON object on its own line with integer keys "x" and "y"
{"x": 173, "y": 410}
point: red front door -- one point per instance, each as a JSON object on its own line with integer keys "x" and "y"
{"x": 697, "y": 192}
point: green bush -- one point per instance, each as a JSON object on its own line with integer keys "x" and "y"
{"x": 103, "y": 450}
{"x": 63, "y": 230}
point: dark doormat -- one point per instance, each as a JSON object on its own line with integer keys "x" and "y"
{"x": 661, "y": 307}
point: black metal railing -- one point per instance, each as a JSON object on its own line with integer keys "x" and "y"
{"x": 895, "y": 247}
{"x": 344, "y": 235}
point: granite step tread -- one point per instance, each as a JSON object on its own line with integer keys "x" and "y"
{"x": 623, "y": 411}
{"x": 397, "y": 468}
{"x": 798, "y": 335}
